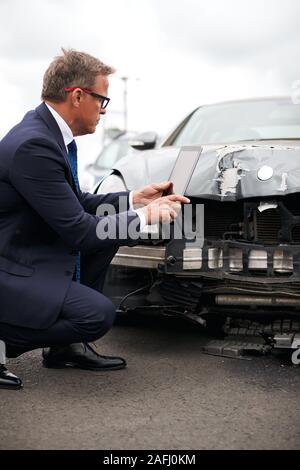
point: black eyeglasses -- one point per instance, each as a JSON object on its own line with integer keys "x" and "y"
{"x": 103, "y": 99}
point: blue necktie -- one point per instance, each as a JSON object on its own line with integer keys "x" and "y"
{"x": 72, "y": 149}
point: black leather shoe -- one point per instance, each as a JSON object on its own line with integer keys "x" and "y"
{"x": 82, "y": 356}
{"x": 9, "y": 380}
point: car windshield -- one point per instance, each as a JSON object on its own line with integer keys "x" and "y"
{"x": 247, "y": 120}
{"x": 112, "y": 153}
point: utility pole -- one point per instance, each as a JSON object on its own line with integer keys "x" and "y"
{"x": 125, "y": 108}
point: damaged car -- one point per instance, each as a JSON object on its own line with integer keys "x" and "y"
{"x": 240, "y": 269}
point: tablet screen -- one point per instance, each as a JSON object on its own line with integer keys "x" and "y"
{"x": 183, "y": 169}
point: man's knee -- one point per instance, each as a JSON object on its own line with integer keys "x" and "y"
{"x": 107, "y": 315}
{"x": 91, "y": 313}
{"x": 103, "y": 319}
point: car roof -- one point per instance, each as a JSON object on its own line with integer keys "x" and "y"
{"x": 247, "y": 100}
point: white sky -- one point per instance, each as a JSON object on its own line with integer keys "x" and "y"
{"x": 177, "y": 54}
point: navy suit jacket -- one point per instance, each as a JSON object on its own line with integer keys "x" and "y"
{"x": 44, "y": 221}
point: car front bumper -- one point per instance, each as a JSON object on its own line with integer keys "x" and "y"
{"x": 224, "y": 258}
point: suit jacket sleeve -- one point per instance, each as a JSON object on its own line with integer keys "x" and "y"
{"x": 91, "y": 202}
{"x": 38, "y": 172}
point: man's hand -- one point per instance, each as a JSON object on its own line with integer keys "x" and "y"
{"x": 164, "y": 209}
{"x": 148, "y": 194}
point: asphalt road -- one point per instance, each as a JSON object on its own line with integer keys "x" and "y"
{"x": 171, "y": 396}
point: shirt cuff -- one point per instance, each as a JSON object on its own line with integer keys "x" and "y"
{"x": 139, "y": 212}
{"x": 142, "y": 218}
{"x": 131, "y": 201}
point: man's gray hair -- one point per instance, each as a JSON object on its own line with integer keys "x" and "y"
{"x": 71, "y": 69}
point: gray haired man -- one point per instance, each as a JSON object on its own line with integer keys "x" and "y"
{"x": 52, "y": 263}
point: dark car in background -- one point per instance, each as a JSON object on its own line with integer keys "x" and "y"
{"x": 243, "y": 268}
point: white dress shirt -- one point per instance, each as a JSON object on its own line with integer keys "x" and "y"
{"x": 68, "y": 137}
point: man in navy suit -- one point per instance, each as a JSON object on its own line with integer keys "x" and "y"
{"x": 52, "y": 260}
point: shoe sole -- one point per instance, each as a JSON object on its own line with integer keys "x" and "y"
{"x": 11, "y": 387}
{"x": 72, "y": 365}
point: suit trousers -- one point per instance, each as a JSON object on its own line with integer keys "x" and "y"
{"x": 86, "y": 314}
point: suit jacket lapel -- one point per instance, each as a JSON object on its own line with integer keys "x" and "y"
{"x": 47, "y": 117}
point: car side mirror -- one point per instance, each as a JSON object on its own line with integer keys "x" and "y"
{"x": 144, "y": 141}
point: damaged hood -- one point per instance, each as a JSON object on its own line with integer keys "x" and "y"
{"x": 225, "y": 172}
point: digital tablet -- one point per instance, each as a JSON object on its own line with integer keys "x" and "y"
{"x": 183, "y": 169}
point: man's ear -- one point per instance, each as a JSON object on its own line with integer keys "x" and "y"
{"x": 76, "y": 98}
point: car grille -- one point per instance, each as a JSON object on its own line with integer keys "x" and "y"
{"x": 190, "y": 293}
{"x": 225, "y": 220}
{"x": 220, "y": 217}
{"x": 268, "y": 225}
{"x": 185, "y": 293}
{"x": 229, "y": 286}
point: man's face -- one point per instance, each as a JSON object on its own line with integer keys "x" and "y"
{"x": 89, "y": 111}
